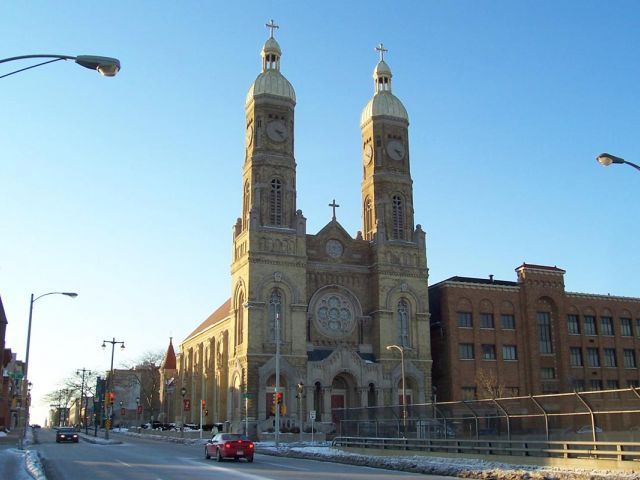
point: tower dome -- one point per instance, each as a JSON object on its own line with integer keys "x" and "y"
{"x": 383, "y": 103}
{"x": 271, "y": 81}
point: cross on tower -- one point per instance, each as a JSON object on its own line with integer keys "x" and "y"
{"x": 334, "y": 205}
{"x": 381, "y": 50}
{"x": 272, "y": 26}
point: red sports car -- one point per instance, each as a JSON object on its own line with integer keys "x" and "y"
{"x": 229, "y": 445}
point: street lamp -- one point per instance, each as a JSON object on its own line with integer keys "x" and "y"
{"x": 83, "y": 417}
{"x": 183, "y": 392}
{"x": 606, "y": 159}
{"x": 277, "y": 412}
{"x": 26, "y": 358}
{"x": 404, "y": 394}
{"x": 109, "y": 412}
{"x": 106, "y": 66}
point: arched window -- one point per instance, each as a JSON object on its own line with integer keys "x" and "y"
{"x": 245, "y": 206}
{"x": 275, "y": 311}
{"x": 398, "y": 217}
{"x": 403, "y": 323}
{"x": 368, "y": 219}
{"x": 275, "y": 202}
{"x": 239, "y": 319}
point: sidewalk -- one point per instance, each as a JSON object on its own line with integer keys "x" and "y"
{"x": 12, "y": 459}
{"x": 11, "y": 439}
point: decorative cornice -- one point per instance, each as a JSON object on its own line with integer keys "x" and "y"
{"x": 602, "y": 297}
{"x": 477, "y": 286}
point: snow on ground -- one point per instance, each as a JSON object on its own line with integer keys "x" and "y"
{"x": 12, "y": 462}
{"x": 455, "y": 467}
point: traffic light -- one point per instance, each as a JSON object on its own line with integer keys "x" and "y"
{"x": 203, "y": 404}
{"x": 111, "y": 397}
{"x": 279, "y": 398}
{"x": 206, "y": 412}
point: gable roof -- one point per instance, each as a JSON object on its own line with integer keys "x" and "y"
{"x": 220, "y": 314}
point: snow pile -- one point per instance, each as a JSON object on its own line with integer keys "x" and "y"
{"x": 34, "y": 465}
{"x": 455, "y": 467}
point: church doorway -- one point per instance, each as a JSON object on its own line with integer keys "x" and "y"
{"x": 342, "y": 396}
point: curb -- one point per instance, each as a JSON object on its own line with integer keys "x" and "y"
{"x": 33, "y": 465}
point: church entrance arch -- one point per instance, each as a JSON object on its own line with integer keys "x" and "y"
{"x": 343, "y": 395}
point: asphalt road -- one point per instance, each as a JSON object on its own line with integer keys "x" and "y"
{"x": 140, "y": 459}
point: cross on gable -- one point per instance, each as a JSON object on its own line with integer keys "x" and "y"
{"x": 334, "y": 205}
{"x": 381, "y": 50}
{"x": 272, "y": 26}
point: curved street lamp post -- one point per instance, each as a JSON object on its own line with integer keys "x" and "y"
{"x": 402, "y": 349}
{"x": 606, "y": 159}
{"x": 106, "y": 66}
{"x": 109, "y": 411}
{"x": 26, "y": 357}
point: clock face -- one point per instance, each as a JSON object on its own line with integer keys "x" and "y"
{"x": 248, "y": 136}
{"x": 395, "y": 150}
{"x": 277, "y": 131}
{"x": 367, "y": 154}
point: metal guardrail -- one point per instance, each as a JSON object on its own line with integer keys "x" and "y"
{"x": 621, "y": 451}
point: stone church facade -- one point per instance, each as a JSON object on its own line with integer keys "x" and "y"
{"x": 336, "y": 302}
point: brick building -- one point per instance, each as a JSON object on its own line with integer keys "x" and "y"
{"x": 502, "y": 338}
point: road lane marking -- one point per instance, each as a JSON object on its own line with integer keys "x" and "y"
{"x": 227, "y": 470}
{"x": 282, "y": 465}
{"x": 122, "y": 463}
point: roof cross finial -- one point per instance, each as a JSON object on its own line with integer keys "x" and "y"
{"x": 334, "y": 205}
{"x": 381, "y": 50}
{"x": 272, "y": 26}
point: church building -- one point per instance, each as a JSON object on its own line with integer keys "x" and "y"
{"x": 341, "y": 309}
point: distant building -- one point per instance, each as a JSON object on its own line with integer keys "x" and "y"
{"x": 502, "y": 338}
{"x": 135, "y": 387}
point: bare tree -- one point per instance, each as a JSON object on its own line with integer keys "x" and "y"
{"x": 148, "y": 365}
{"x": 489, "y": 384}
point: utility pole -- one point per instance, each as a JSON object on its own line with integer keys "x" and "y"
{"x": 109, "y": 411}
{"x": 83, "y": 414}
{"x": 277, "y": 430}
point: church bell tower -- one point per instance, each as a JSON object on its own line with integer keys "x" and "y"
{"x": 269, "y": 174}
{"x": 387, "y": 188}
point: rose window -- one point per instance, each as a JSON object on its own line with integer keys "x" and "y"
{"x": 334, "y": 315}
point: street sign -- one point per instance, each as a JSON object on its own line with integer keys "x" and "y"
{"x": 312, "y": 415}
{"x": 186, "y": 403}
{"x": 247, "y": 395}
{"x": 16, "y": 375}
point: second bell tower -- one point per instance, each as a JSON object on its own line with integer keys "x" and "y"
{"x": 387, "y": 188}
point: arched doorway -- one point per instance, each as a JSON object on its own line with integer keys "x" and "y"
{"x": 343, "y": 395}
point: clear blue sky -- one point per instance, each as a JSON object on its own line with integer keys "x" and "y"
{"x": 125, "y": 189}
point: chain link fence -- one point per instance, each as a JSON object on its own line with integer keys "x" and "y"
{"x": 605, "y": 415}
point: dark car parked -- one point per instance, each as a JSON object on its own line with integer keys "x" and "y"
{"x": 229, "y": 445}
{"x": 66, "y": 434}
